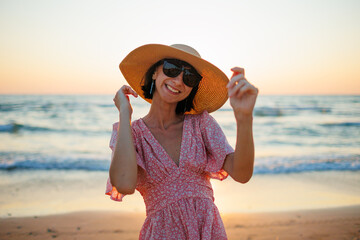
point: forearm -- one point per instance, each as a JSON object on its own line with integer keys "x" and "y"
{"x": 242, "y": 96}
{"x": 243, "y": 162}
{"x": 123, "y": 168}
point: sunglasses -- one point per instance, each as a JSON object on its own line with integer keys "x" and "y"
{"x": 173, "y": 67}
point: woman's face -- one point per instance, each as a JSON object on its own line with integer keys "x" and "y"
{"x": 171, "y": 90}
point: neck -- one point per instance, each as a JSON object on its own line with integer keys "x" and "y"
{"x": 162, "y": 114}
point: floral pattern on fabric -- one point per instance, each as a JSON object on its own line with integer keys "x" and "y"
{"x": 179, "y": 200}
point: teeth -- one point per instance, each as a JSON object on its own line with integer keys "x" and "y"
{"x": 172, "y": 89}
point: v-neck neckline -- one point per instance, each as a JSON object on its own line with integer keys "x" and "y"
{"x": 162, "y": 148}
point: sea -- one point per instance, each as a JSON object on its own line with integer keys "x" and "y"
{"x": 292, "y": 134}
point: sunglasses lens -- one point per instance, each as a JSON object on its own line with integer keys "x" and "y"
{"x": 191, "y": 78}
{"x": 171, "y": 70}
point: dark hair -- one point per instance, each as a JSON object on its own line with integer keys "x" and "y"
{"x": 183, "y": 106}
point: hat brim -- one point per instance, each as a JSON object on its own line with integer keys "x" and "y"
{"x": 212, "y": 92}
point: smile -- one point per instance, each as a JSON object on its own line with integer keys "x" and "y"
{"x": 172, "y": 89}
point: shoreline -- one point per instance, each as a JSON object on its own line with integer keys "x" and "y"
{"x": 42, "y": 192}
{"x": 331, "y": 223}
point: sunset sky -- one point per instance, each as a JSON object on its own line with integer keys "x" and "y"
{"x": 75, "y": 47}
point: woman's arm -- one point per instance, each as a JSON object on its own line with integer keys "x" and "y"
{"x": 240, "y": 164}
{"x": 242, "y": 94}
{"x": 123, "y": 167}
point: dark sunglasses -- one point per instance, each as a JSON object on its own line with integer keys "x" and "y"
{"x": 173, "y": 67}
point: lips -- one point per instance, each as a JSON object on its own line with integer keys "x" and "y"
{"x": 171, "y": 89}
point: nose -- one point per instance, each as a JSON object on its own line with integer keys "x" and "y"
{"x": 179, "y": 79}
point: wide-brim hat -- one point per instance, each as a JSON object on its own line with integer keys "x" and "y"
{"x": 212, "y": 91}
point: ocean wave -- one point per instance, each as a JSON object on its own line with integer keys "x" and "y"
{"x": 312, "y": 109}
{"x": 54, "y": 163}
{"x": 26, "y": 106}
{"x": 278, "y": 165}
{"x": 259, "y": 111}
{"x": 8, "y": 107}
{"x": 17, "y": 127}
{"x": 49, "y": 106}
{"x": 106, "y": 105}
{"x": 268, "y": 111}
{"x": 264, "y": 165}
{"x": 341, "y": 124}
{"x": 287, "y": 111}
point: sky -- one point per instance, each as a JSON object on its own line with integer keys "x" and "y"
{"x": 75, "y": 47}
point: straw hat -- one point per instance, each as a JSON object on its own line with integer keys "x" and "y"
{"x": 212, "y": 92}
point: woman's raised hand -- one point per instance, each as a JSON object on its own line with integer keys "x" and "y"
{"x": 242, "y": 94}
{"x": 122, "y": 101}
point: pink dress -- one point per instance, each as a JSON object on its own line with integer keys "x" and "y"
{"x": 179, "y": 200}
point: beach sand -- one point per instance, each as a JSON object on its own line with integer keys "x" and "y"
{"x": 336, "y": 223}
{"x": 72, "y": 205}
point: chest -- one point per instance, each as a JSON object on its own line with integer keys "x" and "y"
{"x": 170, "y": 140}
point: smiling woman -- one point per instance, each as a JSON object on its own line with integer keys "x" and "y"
{"x": 171, "y": 154}
{"x": 171, "y": 68}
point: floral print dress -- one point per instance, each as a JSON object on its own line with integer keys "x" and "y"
{"x": 179, "y": 200}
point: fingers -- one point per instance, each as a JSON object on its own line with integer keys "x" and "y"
{"x": 238, "y": 74}
{"x": 239, "y": 85}
{"x": 234, "y": 90}
{"x": 124, "y": 91}
{"x": 121, "y": 98}
{"x": 238, "y": 70}
{"x": 128, "y": 90}
{"x": 235, "y": 80}
{"x": 243, "y": 87}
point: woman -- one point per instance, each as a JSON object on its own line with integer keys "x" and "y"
{"x": 170, "y": 154}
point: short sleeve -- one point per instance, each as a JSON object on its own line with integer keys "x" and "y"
{"x": 114, "y": 135}
{"x": 216, "y": 144}
{"x": 111, "y": 190}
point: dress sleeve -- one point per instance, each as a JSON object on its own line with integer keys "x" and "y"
{"x": 110, "y": 189}
{"x": 216, "y": 144}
